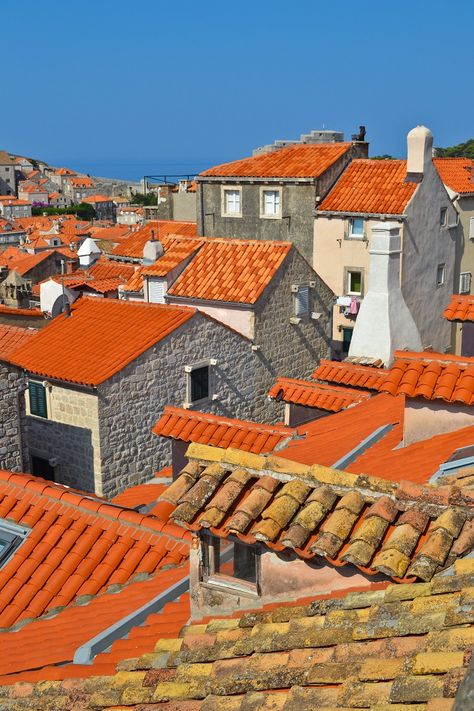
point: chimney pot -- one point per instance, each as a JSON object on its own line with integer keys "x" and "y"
{"x": 419, "y": 153}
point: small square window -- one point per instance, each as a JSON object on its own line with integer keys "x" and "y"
{"x": 230, "y": 564}
{"x": 37, "y": 393}
{"x": 356, "y": 228}
{"x": 199, "y": 384}
{"x": 440, "y": 274}
{"x": 465, "y": 282}
{"x": 443, "y": 216}
{"x": 270, "y": 203}
{"x": 354, "y": 282}
{"x": 232, "y": 203}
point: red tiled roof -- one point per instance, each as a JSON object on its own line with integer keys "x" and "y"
{"x": 97, "y": 198}
{"x": 298, "y": 161}
{"x": 418, "y": 461}
{"x": 456, "y": 173}
{"x": 112, "y": 234}
{"x": 12, "y": 311}
{"x": 192, "y": 426}
{"x": 371, "y": 186}
{"x": 345, "y": 373}
{"x": 108, "y": 269}
{"x": 143, "y": 494}
{"x": 85, "y": 348}
{"x": 176, "y": 251}
{"x": 25, "y": 262}
{"x": 14, "y": 201}
{"x": 347, "y": 519}
{"x": 231, "y": 270}
{"x": 83, "y": 182}
{"x": 327, "y": 439}
{"x": 311, "y": 394}
{"x": 132, "y": 246}
{"x": 78, "y": 545}
{"x": 11, "y": 337}
{"x": 64, "y": 171}
{"x": 461, "y": 308}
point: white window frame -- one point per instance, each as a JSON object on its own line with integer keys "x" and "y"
{"x": 443, "y": 217}
{"x": 210, "y": 575}
{"x": 471, "y": 228}
{"x": 351, "y": 234}
{"x": 465, "y": 279}
{"x": 298, "y": 290}
{"x": 189, "y": 402}
{"x": 268, "y": 215}
{"x": 14, "y": 535}
{"x": 440, "y": 271}
{"x": 347, "y": 281}
{"x": 227, "y": 189}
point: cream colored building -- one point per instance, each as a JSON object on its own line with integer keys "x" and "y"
{"x": 411, "y": 194}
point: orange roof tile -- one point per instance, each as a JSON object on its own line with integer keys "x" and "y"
{"x": 433, "y": 376}
{"x": 107, "y": 269}
{"x": 193, "y": 426}
{"x": 345, "y": 373}
{"x": 311, "y": 394}
{"x": 327, "y": 439}
{"x": 176, "y": 251}
{"x": 114, "y": 234}
{"x": 456, "y": 173}
{"x": 81, "y": 182}
{"x": 231, "y": 270}
{"x": 371, "y": 186}
{"x": 12, "y": 337}
{"x": 132, "y": 246}
{"x": 321, "y": 512}
{"x": 461, "y": 308}
{"x": 416, "y": 462}
{"x": 298, "y": 161}
{"x": 78, "y": 545}
{"x": 12, "y": 311}
{"x": 97, "y": 198}
{"x": 84, "y": 348}
{"x": 25, "y": 262}
{"x": 64, "y": 171}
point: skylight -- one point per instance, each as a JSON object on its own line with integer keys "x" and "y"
{"x": 11, "y": 537}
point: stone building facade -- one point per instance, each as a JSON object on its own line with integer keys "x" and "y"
{"x": 7, "y": 174}
{"x": 99, "y": 439}
{"x": 12, "y": 417}
{"x": 297, "y": 197}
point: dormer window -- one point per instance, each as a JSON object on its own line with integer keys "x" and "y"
{"x": 230, "y": 566}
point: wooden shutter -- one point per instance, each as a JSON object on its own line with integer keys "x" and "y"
{"x": 37, "y": 394}
{"x": 302, "y": 301}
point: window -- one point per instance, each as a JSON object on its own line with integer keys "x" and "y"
{"x": 471, "y": 228}
{"x": 301, "y": 302}
{"x": 270, "y": 203}
{"x": 465, "y": 282}
{"x": 230, "y": 565}
{"x": 200, "y": 383}
{"x": 37, "y": 393}
{"x": 11, "y": 536}
{"x": 354, "y": 282}
{"x": 443, "y": 216}
{"x": 356, "y": 228}
{"x": 440, "y": 274}
{"x": 232, "y": 202}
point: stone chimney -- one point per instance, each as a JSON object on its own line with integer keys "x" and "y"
{"x": 152, "y": 250}
{"x": 384, "y": 323}
{"x": 419, "y": 153}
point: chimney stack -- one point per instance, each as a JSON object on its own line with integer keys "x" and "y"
{"x": 384, "y": 323}
{"x": 419, "y": 153}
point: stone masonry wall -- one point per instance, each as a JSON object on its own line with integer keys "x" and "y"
{"x": 132, "y": 401}
{"x": 11, "y": 417}
{"x": 70, "y": 435}
{"x": 292, "y": 350}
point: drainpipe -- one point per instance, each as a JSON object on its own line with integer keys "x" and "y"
{"x": 19, "y": 393}
{"x": 201, "y": 204}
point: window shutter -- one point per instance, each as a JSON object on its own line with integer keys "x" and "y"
{"x": 37, "y": 394}
{"x": 465, "y": 283}
{"x": 302, "y": 301}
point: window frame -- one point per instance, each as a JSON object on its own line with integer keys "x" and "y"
{"x": 347, "y": 272}
{"x": 443, "y": 217}
{"x": 227, "y": 189}
{"x": 15, "y": 535}
{"x": 270, "y": 216}
{"x": 443, "y": 275}
{"x": 210, "y": 559}
{"x": 189, "y": 369}
{"x": 469, "y": 279}
{"x": 37, "y": 384}
{"x": 353, "y": 235}
{"x": 471, "y": 228}
{"x": 298, "y": 289}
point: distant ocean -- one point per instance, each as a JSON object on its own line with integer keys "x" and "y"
{"x": 135, "y": 170}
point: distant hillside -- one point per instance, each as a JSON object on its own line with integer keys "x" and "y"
{"x": 462, "y": 150}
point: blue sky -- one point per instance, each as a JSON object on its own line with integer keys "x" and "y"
{"x": 206, "y": 82}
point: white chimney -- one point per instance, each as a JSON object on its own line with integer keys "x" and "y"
{"x": 419, "y": 153}
{"x": 384, "y": 323}
{"x": 88, "y": 252}
{"x": 152, "y": 250}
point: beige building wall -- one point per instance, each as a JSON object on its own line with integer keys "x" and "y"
{"x": 70, "y": 435}
{"x": 334, "y": 251}
{"x": 465, "y": 256}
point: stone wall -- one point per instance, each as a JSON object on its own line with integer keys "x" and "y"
{"x": 11, "y": 417}
{"x": 70, "y": 436}
{"x": 132, "y": 401}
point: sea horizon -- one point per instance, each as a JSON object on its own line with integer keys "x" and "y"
{"x": 135, "y": 170}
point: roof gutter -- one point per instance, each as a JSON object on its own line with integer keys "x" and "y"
{"x": 254, "y": 179}
{"x": 365, "y": 215}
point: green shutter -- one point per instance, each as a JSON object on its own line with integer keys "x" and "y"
{"x": 37, "y": 399}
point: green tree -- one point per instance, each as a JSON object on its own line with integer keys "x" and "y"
{"x": 461, "y": 150}
{"x": 142, "y": 199}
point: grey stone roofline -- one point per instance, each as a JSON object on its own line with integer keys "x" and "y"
{"x": 365, "y": 215}
{"x": 249, "y": 179}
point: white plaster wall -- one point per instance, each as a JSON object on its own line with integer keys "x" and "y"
{"x": 424, "y": 419}
{"x": 241, "y": 320}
